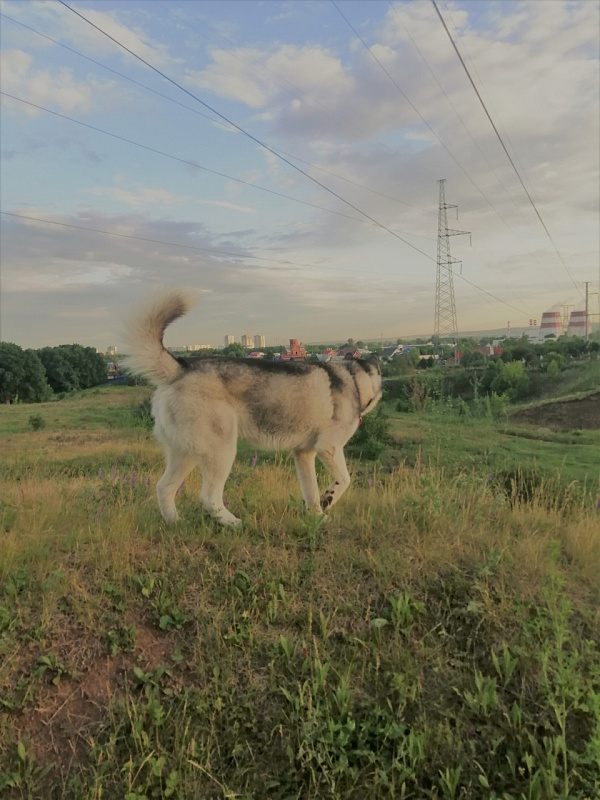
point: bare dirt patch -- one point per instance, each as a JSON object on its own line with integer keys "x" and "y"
{"x": 583, "y": 412}
{"x": 60, "y": 726}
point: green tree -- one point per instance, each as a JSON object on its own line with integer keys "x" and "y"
{"x": 505, "y": 378}
{"x": 474, "y": 359}
{"x": 12, "y": 370}
{"x": 60, "y": 373}
{"x": 414, "y": 356}
{"x": 235, "y": 350}
{"x": 35, "y": 388}
{"x": 21, "y": 375}
{"x": 89, "y": 366}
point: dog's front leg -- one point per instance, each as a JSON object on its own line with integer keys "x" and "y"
{"x": 334, "y": 460}
{"x": 307, "y": 478}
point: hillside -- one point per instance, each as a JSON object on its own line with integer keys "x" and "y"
{"x": 436, "y": 637}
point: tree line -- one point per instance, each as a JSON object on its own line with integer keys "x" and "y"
{"x": 33, "y": 376}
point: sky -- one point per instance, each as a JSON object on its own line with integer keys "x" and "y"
{"x": 282, "y": 160}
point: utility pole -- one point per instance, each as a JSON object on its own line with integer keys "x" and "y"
{"x": 587, "y": 330}
{"x": 445, "y": 306}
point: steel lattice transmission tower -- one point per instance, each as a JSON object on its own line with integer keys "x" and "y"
{"x": 445, "y": 307}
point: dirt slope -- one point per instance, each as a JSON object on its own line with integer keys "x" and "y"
{"x": 583, "y": 412}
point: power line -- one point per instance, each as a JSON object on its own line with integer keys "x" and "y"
{"x": 533, "y": 256}
{"x": 416, "y": 110}
{"x": 211, "y": 251}
{"x": 243, "y": 131}
{"x": 214, "y": 251}
{"x": 253, "y": 138}
{"x": 190, "y": 163}
{"x": 212, "y": 119}
{"x": 451, "y": 104}
{"x": 512, "y": 163}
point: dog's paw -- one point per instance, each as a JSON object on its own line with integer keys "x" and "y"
{"x": 226, "y": 518}
{"x": 326, "y": 500}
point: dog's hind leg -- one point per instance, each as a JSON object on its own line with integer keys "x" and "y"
{"x": 178, "y": 467}
{"x": 334, "y": 460}
{"x": 307, "y": 478}
{"x": 215, "y": 467}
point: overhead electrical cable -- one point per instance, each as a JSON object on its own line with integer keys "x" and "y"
{"x": 193, "y": 163}
{"x": 244, "y": 60}
{"x": 489, "y": 101}
{"x": 512, "y": 163}
{"x": 212, "y": 119}
{"x": 210, "y": 251}
{"x": 520, "y": 211}
{"x": 243, "y": 131}
{"x": 451, "y": 104}
{"x": 253, "y": 138}
{"x": 416, "y": 110}
{"x": 214, "y": 251}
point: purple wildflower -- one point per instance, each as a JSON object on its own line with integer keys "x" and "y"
{"x": 254, "y": 459}
{"x": 598, "y": 504}
{"x": 133, "y": 480}
{"x": 489, "y": 477}
{"x": 101, "y": 474}
{"x": 370, "y": 483}
{"x": 225, "y": 503}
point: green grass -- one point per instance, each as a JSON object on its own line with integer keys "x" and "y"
{"x": 444, "y": 440}
{"x": 436, "y": 637}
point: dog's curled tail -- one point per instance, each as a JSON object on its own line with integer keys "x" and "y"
{"x": 145, "y": 332}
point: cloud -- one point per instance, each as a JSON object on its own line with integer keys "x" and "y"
{"x": 229, "y": 206}
{"x": 19, "y": 77}
{"x": 140, "y": 197}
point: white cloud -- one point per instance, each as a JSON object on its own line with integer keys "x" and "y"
{"x": 139, "y": 197}
{"x": 229, "y": 206}
{"x": 21, "y": 78}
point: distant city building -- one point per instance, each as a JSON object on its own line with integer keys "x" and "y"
{"x": 295, "y": 352}
{"x": 112, "y": 350}
{"x": 191, "y": 348}
{"x": 247, "y": 340}
{"x": 259, "y": 340}
{"x": 349, "y": 351}
{"x": 229, "y": 339}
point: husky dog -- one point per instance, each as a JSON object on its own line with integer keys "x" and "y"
{"x": 202, "y": 406}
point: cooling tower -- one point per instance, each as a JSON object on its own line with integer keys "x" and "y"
{"x": 551, "y": 323}
{"x": 577, "y": 324}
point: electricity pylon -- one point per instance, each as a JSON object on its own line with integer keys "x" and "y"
{"x": 445, "y": 306}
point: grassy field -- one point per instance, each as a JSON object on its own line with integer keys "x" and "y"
{"x": 436, "y": 637}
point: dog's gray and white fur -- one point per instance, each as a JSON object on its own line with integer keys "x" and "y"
{"x": 203, "y": 405}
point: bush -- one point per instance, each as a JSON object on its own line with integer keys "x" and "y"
{"x": 371, "y": 437}
{"x": 37, "y": 422}
{"x": 142, "y": 414}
